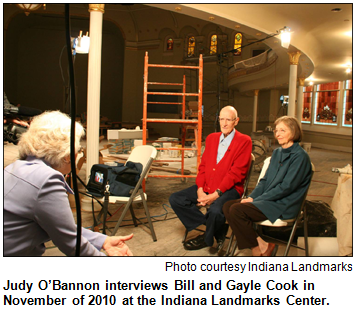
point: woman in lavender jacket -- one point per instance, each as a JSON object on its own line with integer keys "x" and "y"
{"x": 36, "y": 205}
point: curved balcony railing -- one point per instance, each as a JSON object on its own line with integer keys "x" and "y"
{"x": 253, "y": 65}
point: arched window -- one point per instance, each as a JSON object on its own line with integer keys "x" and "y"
{"x": 170, "y": 43}
{"x": 191, "y": 46}
{"x": 213, "y": 44}
{"x": 237, "y": 44}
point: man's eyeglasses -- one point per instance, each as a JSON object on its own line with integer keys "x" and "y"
{"x": 227, "y": 120}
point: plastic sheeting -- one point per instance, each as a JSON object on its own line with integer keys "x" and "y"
{"x": 342, "y": 207}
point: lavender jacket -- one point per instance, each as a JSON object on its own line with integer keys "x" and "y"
{"x": 37, "y": 209}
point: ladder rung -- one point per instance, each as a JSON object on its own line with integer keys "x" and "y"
{"x": 174, "y": 94}
{"x": 179, "y": 159}
{"x": 176, "y": 148}
{"x": 173, "y": 66}
{"x": 167, "y": 103}
{"x": 157, "y": 83}
{"x": 173, "y": 121}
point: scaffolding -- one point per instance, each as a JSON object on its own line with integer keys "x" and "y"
{"x": 195, "y": 124}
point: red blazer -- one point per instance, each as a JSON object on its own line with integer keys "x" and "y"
{"x": 232, "y": 169}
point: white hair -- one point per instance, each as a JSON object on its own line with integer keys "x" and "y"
{"x": 48, "y": 138}
{"x": 232, "y": 110}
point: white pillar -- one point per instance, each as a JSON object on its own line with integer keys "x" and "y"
{"x": 94, "y": 81}
{"x": 255, "y": 103}
{"x": 293, "y": 69}
{"x": 299, "y": 111}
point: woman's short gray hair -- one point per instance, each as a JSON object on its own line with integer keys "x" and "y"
{"x": 294, "y": 125}
{"x": 48, "y": 138}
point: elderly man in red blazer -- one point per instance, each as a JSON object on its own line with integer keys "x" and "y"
{"x": 221, "y": 176}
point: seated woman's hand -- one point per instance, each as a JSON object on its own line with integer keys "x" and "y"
{"x": 247, "y": 200}
{"x": 116, "y": 246}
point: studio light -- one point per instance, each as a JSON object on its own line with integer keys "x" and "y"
{"x": 81, "y": 43}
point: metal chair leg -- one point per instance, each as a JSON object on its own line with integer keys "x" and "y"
{"x": 127, "y": 206}
{"x": 133, "y": 216}
{"x": 229, "y": 244}
{"x": 148, "y": 216}
{"x": 105, "y": 208}
{"x": 233, "y": 249}
{"x": 294, "y": 229}
{"x": 306, "y": 245}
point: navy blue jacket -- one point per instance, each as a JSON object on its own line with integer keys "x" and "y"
{"x": 279, "y": 194}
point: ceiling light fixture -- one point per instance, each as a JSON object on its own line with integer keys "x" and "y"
{"x": 285, "y": 37}
{"x": 30, "y": 7}
{"x": 349, "y": 33}
{"x": 348, "y": 67}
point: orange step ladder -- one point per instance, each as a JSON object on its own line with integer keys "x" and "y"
{"x": 196, "y": 124}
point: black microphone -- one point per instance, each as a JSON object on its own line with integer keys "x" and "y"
{"x": 25, "y": 111}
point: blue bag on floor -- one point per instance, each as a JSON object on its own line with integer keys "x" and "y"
{"x": 121, "y": 178}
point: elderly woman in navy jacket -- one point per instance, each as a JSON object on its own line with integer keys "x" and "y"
{"x": 279, "y": 194}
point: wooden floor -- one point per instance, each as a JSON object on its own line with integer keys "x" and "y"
{"x": 169, "y": 229}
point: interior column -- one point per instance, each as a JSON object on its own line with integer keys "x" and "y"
{"x": 299, "y": 111}
{"x": 255, "y": 103}
{"x": 293, "y": 69}
{"x": 94, "y": 79}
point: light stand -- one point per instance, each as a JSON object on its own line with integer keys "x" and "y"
{"x": 79, "y": 45}
{"x": 284, "y": 105}
{"x": 72, "y": 135}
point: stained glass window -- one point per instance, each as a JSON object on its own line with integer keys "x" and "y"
{"x": 237, "y": 44}
{"x": 213, "y": 44}
{"x": 327, "y": 103}
{"x": 191, "y": 47}
{"x": 170, "y": 43}
{"x": 347, "y": 104}
{"x": 307, "y": 104}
